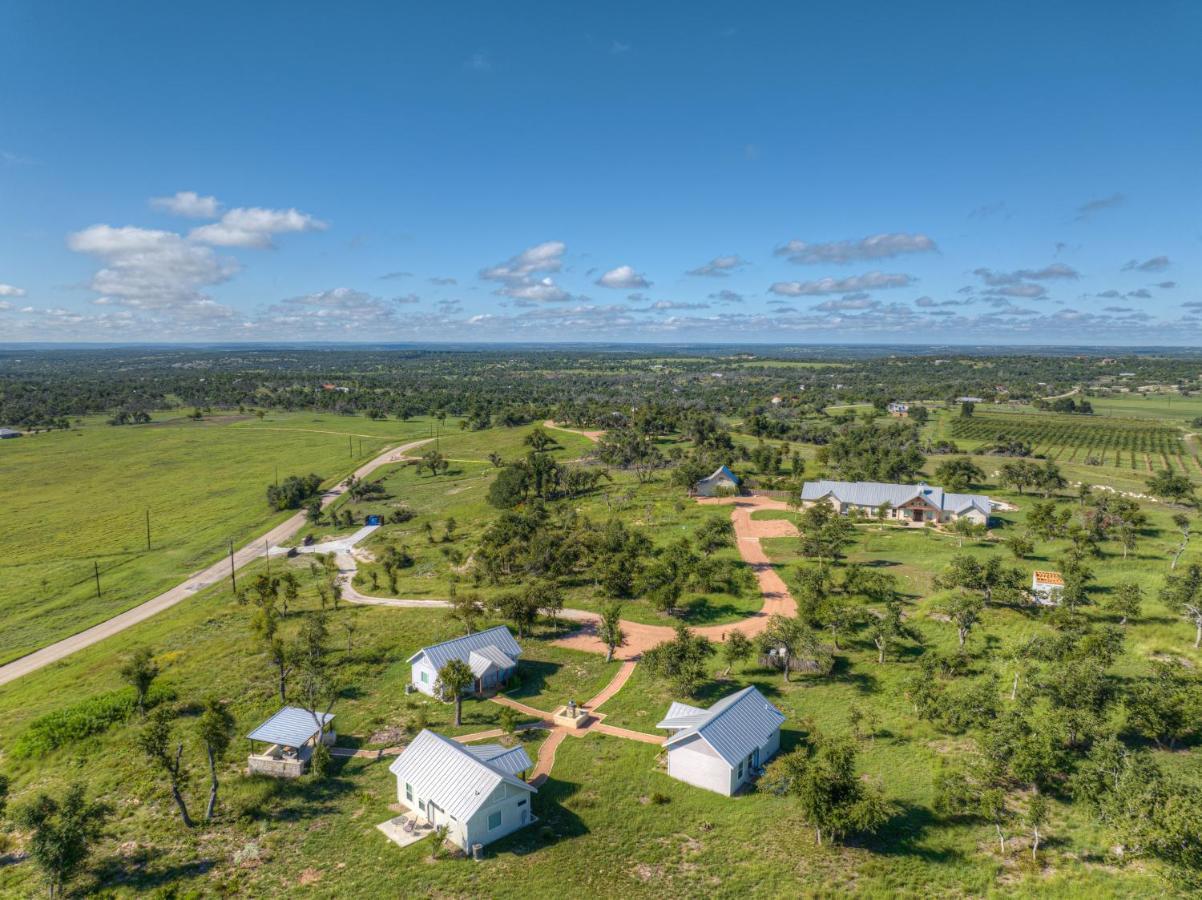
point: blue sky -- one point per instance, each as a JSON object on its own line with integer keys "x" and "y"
{"x": 931, "y": 172}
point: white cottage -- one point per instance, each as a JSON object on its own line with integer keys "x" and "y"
{"x": 476, "y": 792}
{"x": 722, "y": 748}
{"x": 1046, "y": 587}
{"x": 492, "y": 656}
{"x": 722, "y": 482}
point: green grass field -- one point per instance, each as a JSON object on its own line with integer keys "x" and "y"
{"x": 612, "y": 824}
{"x": 80, "y": 498}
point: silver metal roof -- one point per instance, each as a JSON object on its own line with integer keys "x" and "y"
{"x": 461, "y": 648}
{"x": 874, "y": 493}
{"x": 290, "y": 727}
{"x": 681, "y": 715}
{"x": 485, "y": 659}
{"x": 513, "y": 760}
{"x": 451, "y": 775}
{"x": 734, "y": 726}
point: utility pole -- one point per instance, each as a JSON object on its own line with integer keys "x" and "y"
{"x": 277, "y": 474}
{"x": 233, "y": 578}
{"x": 267, "y": 553}
{"x": 96, "y": 572}
{"x": 350, "y": 446}
{"x": 148, "y": 529}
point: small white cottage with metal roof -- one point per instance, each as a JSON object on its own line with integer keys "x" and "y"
{"x": 476, "y": 792}
{"x": 492, "y": 656}
{"x": 724, "y": 747}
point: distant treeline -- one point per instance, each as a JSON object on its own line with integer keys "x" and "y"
{"x": 781, "y": 388}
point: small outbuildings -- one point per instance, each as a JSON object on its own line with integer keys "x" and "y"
{"x": 6, "y": 433}
{"x": 291, "y": 736}
{"x": 1046, "y": 587}
{"x": 492, "y": 655}
{"x": 899, "y": 410}
{"x": 722, "y": 748}
{"x": 477, "y": 792}
{"x": 721, "y": 483}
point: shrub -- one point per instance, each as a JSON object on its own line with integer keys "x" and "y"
{"x": 83, "y": 719}
{"x": 659, "y": 799}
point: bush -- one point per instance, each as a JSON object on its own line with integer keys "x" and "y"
{"x": 659, "y": 799}
{"x": 88, "y": 717}
{"x": 547, "y": 833}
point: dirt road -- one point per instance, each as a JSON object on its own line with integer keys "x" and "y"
{"x": 218, "y": 571}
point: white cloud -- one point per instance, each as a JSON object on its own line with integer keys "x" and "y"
{"x": 8, "y": 290}
{"x": 1090, "y": 208}
{"x": 254, "y": 227}
{"x": 542, "y": 291}
{"x": 877, "y": 246}
{"x": 151, "y": 269}
{"x": 623, "y": 278}
{"x": 188, "y": 204}
{"x": 718, "y": 267}
{"x": 727, "y": 296}
{"x": 867, "y": 282}
{"x": 853, "y": 302}
{"x": 544, "y": 257}
{"x": 341, "y": 311}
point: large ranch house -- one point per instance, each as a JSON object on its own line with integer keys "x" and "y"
{"x": 907, "y": 503}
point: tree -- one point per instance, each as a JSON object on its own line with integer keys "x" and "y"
{"x": 825, "y": 533}
{"x": 664, "y": 580}
{"x": 468, "y": 609}
{"x": 609, "y": 629}
{"x": 155, "y": 741}
{"x": 1168, "y": 485}
{"x": 967, "y": 407}
{"x": 681, "y": 660}
{"x": 1035, "y": 817}
{"x": 1019, "y": 474}
{"x": 294, "y": 492}
{"x": 959, "y": 474}
{"x": 434, "y": 461}
{"x": 831, "y": 797}
{"x": 139, "y": 671}
{"x": 964, "y": 610}
{"x": 1183, "y": 594}
{"x": 889, "y": 629}
{"x": 216, "y": 727}
{"x": 1165, "y": 707}
{"x": 511, "y": 486}
{"x": 1182, "y": 523}
{"x": 518, "y": 607}
{"x": 792, "y": 639}
{"x": 989, "y": 578}
{"x": 715, "y": 534}
{"x": 737, "y": 648}
{"x": 1049, "y": 480}
{"x": 453, "y": 679}
{"x": 538, "y": 440}
{"x": 61, "y": 834}
{"x": 1126, "y": 600}
{"x": 1019, "y": 544}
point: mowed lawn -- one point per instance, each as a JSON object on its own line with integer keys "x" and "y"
{"x": 78, "y": 499}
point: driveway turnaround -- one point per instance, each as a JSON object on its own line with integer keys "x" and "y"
{"x": 218, "y": 571}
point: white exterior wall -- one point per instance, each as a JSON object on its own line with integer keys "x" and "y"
{"x": 506, "y": 799}
{"x": 975, "y": 515}
{"x": 695, "y": 762}
{"x": 415, "y": 676}
{"x": 707, "y": 487}
{"x": 768, "y": 749}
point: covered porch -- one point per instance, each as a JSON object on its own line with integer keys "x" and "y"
{"x": 283, "y": 746}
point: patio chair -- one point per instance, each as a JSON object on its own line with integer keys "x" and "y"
{"x": 409, "y": 825}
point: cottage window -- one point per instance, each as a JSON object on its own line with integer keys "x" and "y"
{"x": 740, "y": 768}
{"x": 494, "y": 821}
{"x": 425, "y": 677}
{"x": 409, "y": 792}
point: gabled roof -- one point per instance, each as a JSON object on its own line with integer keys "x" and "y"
{"x": 874, "y": 493}
{"x": 734, "y": 726}
{"x": 290, "y": 727}
{"x": 513, "y": 760}
{"x": 461, "y": 648}
{"x": 722, "y": 472}
{"x": 487, "y": 659}
{"x": 453, "y": 776}
{"x": 1052, "y": 579}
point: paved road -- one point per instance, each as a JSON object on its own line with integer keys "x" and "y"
{"x": 219, "y": 571}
